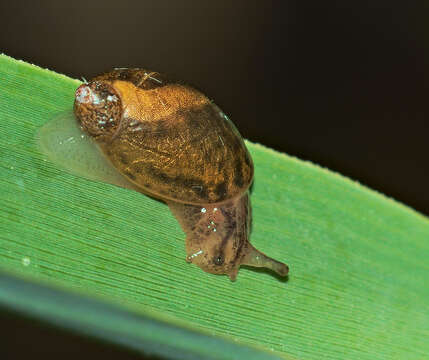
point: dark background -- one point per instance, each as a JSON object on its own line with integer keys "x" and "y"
{"x": 340, "y": 83}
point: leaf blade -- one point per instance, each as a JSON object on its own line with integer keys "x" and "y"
{"x": 344, "y": 243}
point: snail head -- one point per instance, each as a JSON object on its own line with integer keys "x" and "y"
{"x": 213, "y": 256}
{"x": 217, "y": 257}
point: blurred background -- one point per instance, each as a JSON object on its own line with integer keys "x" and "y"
{"x": 340, "y": 83}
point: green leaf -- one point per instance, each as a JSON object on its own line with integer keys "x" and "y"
{"x": 359, "y": 278}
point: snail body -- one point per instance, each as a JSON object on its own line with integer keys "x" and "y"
{"x": 169, "y": 141}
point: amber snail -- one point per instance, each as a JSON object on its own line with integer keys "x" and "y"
{"x": 169, "y": 141}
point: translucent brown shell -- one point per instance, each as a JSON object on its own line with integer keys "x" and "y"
{"x": 171, "y": 140}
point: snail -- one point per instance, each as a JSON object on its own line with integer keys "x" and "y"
{"x": 137, "y": 129}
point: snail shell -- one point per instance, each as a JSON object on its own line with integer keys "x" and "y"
{"x": 169, "y": 141}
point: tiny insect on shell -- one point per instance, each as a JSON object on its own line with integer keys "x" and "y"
{"x": 167, "y": 140}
